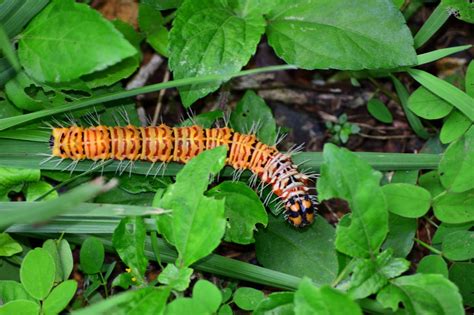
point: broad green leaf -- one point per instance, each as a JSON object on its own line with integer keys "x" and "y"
{"x": 92, "y": 255}
{"x": 129, "y": 242}
{"x": 427, "y": 105}
{"x": 8, "y": 246}
{"x": 446, "y": 91}
{"x": 369, "y": 276}
{"x": 51, "y": 247}
{"x": 16, "y": 89}
{"x": 407, "y": 200}
{"x": 163, "y": 4}
{"x": 458, "y": 245}
{"x": 358, "y": 35}
{"x": 197, "y": 223}
{"x": 345, "y": 176}
{"x": 151, "y": 21}
{"x": 7, "y": 109}
{"x": 208, "y": 294}
{"x": 462, "y": 274}
{"x": 76, "y": 28}
{"x": 455, "y": 125}
{"x": 456, "y": 169}
{"x": 122, "y": 69}
{"x": 205, "y": 120}
{"x": 433, "y": 264}
{"x": 430, "y": 181}
{"x": 252, "y": 111}
{"x": 22, "y": 307}
{"x": 243, "y": 210}
{"x": 177, "y": 279}
{"x": 211, "y": 37}
{"x": 278, "y": 303}
{"x": 323, "y": 300}
{"x": 248, "y": 298}
{"x": 12, "y": 179}
{"x": 62, "y": 256}
{"x": 150, "y": 300}
{"x": 37, "y": 273}
{"x": 463, "y": 10}
{"x": 407, "y": 177}
{"x": 422, "y": 294}
{"x": 12, "y": 290}
{"x": 123, "y": 280}
{"x": 455, "y": 207}
{"x": 445, "y": 229}
{"x": 379, "y": 111}
{"x": 37, "y": 189}
{"x": 400, "y": 235}
{"x": 185, "y": 306}
{"x": 60, "y": 297}
{"x": 308, "y": 252}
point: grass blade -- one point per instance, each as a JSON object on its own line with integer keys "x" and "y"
{"x": 437, "y": 19}
{"x": 446, "y": 91}
{"x": 440, "y": 53}
{"x": 81, "y": 104}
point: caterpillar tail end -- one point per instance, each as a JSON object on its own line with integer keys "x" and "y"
{"x": 300, "y": 210}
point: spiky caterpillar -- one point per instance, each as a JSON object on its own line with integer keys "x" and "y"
{"x": 180, "y": 144}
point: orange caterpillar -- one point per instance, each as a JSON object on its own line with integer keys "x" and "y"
{"x": 180, "y": 144}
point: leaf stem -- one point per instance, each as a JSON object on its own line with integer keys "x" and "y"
{"x": 427, "y": 246}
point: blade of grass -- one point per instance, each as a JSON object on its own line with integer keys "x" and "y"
{"x": 437, "y": 19}
{"x": 440, "y": 53}
{"x": 446, "y": 91}
{"x": 19, "y": 16}
{"x": 7, "y": 49}
{"x": 36, "y": 212}
{"x": 81, "y": 104}
{"x": 25, "y": 154}
{"x": 413, "y": 120}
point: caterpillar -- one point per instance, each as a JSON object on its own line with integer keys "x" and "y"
{"x": 179, "y": 144}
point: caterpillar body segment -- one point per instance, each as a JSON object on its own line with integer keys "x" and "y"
{"x": 180, "y": 144}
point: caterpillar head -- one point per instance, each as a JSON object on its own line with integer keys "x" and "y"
{"x": 300, "y": 210}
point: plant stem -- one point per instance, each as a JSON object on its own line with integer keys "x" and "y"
{"x": 427, "y": 246}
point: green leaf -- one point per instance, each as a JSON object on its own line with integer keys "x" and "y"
{"x": 434, "y": 22}
{"x": 427, "y": 105}
{"x": 345, "y": 176}
{"x": 122, "y": 69}
{"x": 446, "y": 91}
{"x": 400, "y": 235}
{"x": 151, "y": 21}
{"x": 413, "y": 120}
{"x": 369, "y": 276}
{"x": 37, "y": 189}
{"x": 8, "y": 246}
{"x": 208, "y": 295}
{"x": 407, "y": 177}
{"x": 20, "y": 307}
{"x": 51, "y": 247}
{"x": 177, "y": 279}
{"x": 185, "y": 306}
{"x": 407, "y": 200}
{"x": 123, "y": 280}
{"x": 129, "y": 242}
{"x": 463, "y": 10}
{"x": 379, "y": 111}
{"x": 37, "y": 273}
{"x": 211, "y": 37}
{"x": 62, "y": 256}
{"x": 60, "y": 297}
{"x": 445, "y": 229}
{"x": 278, "y": 303}
{"x": 243, "y": 209}
{"x": 324, "y": 300}
{"x": 422, "y": 294}
{"x": 458, "y": 245}
{"x": 12, "y": 290}
{"x": 359, "y": 35}
{"x": 440, "y": 53}
{"x": 248, "y": 298}
{"x": 205, "y": 120}
{"x": 462, "y": 274}
{"x": 470, "y": 79}
{"x": 197, "y": 223}
{"x": 457, "y": 165}
{"x": 309, "y": 252}
{"x": 7, "y": 109}
{"x": 251, "y": 110}
{"x": 454, "y": 126}
{"x": 430, "y": 181}
{"x": 150, "y": 300}
{"x": 92, "y": 255}
{"x": 13, "y": 179}
{"x": 433, "y": 264}
{"x": 76, "y": 28}
{"x": 455, "y": 207}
